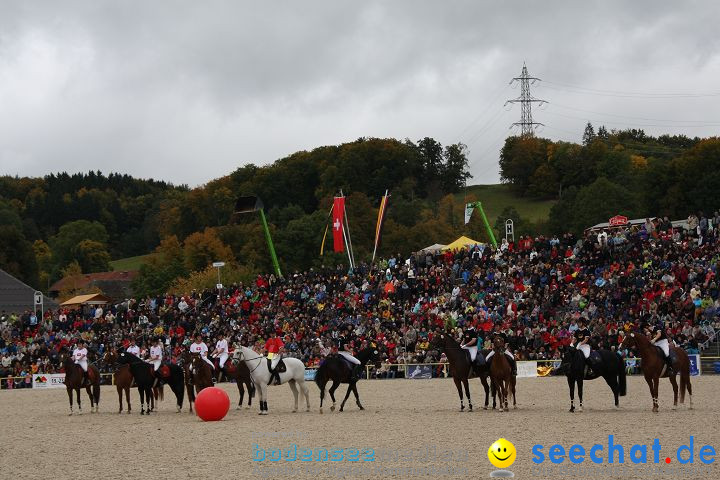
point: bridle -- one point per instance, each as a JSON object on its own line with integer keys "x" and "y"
{"x": 241, "y": 356}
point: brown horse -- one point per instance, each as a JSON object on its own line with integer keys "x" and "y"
{"x": 186, "y": 359}
{"x": 461, "y": 369}
{"x": 74, "y": 381}
{"x": 240, "y": 373}
{"x": 123, "y": 380}
{"x": 201, "y": 372}
{"x": 501, "y": 374}
{"x": 653, "y": 367}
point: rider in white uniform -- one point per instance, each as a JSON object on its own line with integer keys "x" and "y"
{"x": 156, "y": 354}
{"x": 659, "y": 339}
{"x": 132, "y": 348}
{"x": 198, "y": 346}
{"x": 80, "y": 356}
{"x": 221, "y": 350}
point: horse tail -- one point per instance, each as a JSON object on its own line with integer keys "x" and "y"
{"x": 320, "y": 376}
{"x": 96, "y": 393}
{"x": 622, "y": 377}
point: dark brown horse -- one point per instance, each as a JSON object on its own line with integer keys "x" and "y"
{"x": 501, "y": 374}
{"x": 240, "y": 373}
{"x": 185, "y": 359}
{"x": 74, "y": 381}
{"x": 201, "y": 371}
{"x": 337, "y": 370}
{"x": 123, "y": 380}
{"x": 461, "y": 369}
{"x": 653, "y": 367}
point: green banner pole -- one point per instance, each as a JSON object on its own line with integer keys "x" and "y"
{"x": 487, "y": 224}
{"x": 271, "y": 247}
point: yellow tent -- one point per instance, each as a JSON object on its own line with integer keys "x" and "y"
{"x": 461, "y": 242}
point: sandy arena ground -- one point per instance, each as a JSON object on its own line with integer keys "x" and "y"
{"x": 40, "y": 440}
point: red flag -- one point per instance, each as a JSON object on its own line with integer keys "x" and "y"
{"x": 337, "y": 223}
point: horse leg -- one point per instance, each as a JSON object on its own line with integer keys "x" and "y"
{"x": 77, "y": 390}
{"x": 673, "y": 381}
{"x": 512, "y": 389}
{"x": 460, "y": 393}
{"x": 321, "y": 386}
{"x": 92, "y": 399}
{"x": 580, "y": 383}
{"x": 241, "y": 390}
{"x": 306, "y": 394}
{"x": 571, "y": 385}
{"x": 127, "y": 397}
{"x": 294, "y": 389}
{"x": 466, "y": 384}
{"x": 652, "y": 392}
{"x": 347, "y": 395}
{"x": 70, "y": 397}
{"x": 486, "y": 387}
{"x": 119, "y": 390}
{"x": 612, "y": 382}
{"x": 656, "y": 395}
{"x": 357, "y": 396}
{"x": 333, "y": 387}
{"x": 263, "y": 395}
{"x": 141, "y": 392}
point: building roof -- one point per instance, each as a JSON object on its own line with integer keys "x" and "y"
{"x": 87, "y": 279}
{"x": 91, "y": 299}
{"x": 16, "y": 296}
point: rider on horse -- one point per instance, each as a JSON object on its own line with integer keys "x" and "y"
{"x": 199, "y": 347}
{"x": 470, "y": 342}
{"x": 132, "y": 348}
{"x": 582, "y": 340}
{"x": 659, "y": 339}
{"x": 345, "y": 350}
{"x": 221, "y": 351}
{"x": 156, "y": 354}
{"x": 498, "y": 333}
{"x": 80, "y": 356}
{"x": 274, "y": 347}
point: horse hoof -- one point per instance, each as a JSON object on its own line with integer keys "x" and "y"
{"x": 361, "y": 407}
{"x": 129, "y": 412}
{"x": 580, "y": 409}
{"x": 307, "y": 409}
{"x": 294, "y": 410}
{"x": 321, "y": 411}
{"x": 332, "y": 409}
{"x": 514, "y": 407}
{"x": 70, "y": 414}
{"x": 485, "y": 407}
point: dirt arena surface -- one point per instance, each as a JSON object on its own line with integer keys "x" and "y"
{"x": 408, "y": 423}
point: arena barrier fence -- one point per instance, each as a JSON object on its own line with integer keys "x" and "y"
{"x": 707, "y": 365}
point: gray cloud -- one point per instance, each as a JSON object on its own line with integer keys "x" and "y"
{"x": 188, "y": 91}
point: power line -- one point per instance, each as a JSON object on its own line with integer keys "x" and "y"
{"x": 554, "y": 104}
{"x": 634, "y": 124}
{"x": 649, "y": 96}
{"x": 620, "y": 92}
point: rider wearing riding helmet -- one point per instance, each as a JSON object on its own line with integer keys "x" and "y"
{"x": 132, "y": 348}
{"x": 274, "y": 347}
{"x": 221, "y": 350}
{"x": 470, "y": 342}
{"x": 659, "y": 339}
{"x": 156, "y": 354}
{"x": 582, "y": 340}
{"x": 198, "y": 346}
{"x": 345, "y": 349}
{"x": 80, "y": 357}
{"x": 498, "y": 333}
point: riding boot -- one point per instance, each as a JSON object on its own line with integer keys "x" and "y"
{"x": 589, "y": 365}
{"x": 670, "y": 369}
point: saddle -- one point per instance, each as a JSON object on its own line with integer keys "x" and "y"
{"x": 279, "y": 368}
{"x": 479, "y": 358}
{"x": 661, "y": 354}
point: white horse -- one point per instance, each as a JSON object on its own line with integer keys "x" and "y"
{"x": 294, "y": 376}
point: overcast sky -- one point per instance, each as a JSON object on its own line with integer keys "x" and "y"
{"x": 187, "y": 91}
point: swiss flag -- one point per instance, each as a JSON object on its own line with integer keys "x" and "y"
{"x": 337, "y": 223}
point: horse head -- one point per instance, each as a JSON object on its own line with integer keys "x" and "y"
{"x": 498, "y": 345}
{"x": 629, "y": 341}
{"x": 110, "y": 356}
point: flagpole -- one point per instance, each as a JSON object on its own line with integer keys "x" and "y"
{"x": 342, "y": 228}
{"x": 349, "y": 240}
{"x": 379, "y": 225}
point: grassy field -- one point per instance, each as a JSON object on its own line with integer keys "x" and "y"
{"x": 129, "y": 263}
{"x": 495, "y": 198}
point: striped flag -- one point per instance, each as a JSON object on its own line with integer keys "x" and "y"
{"x": 380, "y": 220}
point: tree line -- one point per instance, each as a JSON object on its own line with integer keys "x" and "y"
{"x": 623, "y": 172}
{"x": 65, "y": 223}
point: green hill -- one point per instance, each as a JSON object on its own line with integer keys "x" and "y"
{"x": 495, "y": 198}
{"x": 130, "y": 263}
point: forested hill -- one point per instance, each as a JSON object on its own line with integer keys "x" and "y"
{"x": 70, "y": 223}
{"x": 64, "y": 224}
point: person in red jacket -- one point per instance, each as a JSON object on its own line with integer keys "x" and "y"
{"x": 274, "y": 347}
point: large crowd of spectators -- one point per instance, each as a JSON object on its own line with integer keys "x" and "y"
{"x": 533, "y": 289}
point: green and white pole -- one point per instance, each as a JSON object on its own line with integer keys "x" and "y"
{"x": 271, "y": 247}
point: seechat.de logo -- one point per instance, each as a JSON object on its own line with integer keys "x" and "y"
{"x": 616, "y": 453}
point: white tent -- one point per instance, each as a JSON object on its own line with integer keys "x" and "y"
{"x": 433, "y": 248}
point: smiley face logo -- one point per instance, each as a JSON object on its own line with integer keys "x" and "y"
{"x": 502, "y": 453}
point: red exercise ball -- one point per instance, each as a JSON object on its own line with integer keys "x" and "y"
{"x": 212, "y": 404}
